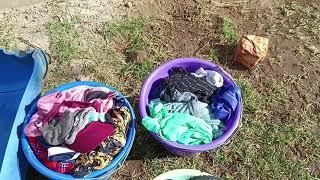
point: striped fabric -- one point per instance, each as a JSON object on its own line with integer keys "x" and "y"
{"x": 183, "y": 81}
{"x": 42, "y": 154}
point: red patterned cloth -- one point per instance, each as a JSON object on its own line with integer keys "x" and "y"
{"x": 42, "y": 154}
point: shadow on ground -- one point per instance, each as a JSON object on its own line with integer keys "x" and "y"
{"x": 146, "y": 147}
{"x": 226, "y": 56}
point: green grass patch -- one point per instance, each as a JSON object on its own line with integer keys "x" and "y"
{"x": 214, "y": 54}
{"x": 228, "y": 31}
{"x": 262, "y": 150}
{"x": 265, "y": 148}
{"x": 130, "y": 34}
{"x": 274, "y": 93}
{"x": 63, "y": 40}
{"x": 252, "y": 100}
{"x": 274, "y": 142}
{"x": 131, "y": 30}
{"x": 138, "y": 70}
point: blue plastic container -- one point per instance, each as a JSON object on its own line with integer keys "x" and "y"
{"x": 21, "y": 77}
{"x": 99, "y": 174}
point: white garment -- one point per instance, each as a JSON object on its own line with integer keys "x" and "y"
{"x": 53, "y": 151}
{"x": 213, "y": 77}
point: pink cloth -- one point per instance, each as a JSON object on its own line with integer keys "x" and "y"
{"x": 91, "y": 136}
{"x": 46, "y": 104}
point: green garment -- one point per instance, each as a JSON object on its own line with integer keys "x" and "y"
{"x": 198, "y": 108}
{"x": 185, "y": 174}
{"x": 178, "y": 127}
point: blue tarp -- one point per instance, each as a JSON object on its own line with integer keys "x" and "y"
{"x": 21, "y": 77}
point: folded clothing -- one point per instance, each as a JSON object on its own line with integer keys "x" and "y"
{"x": 178, "y": 127}
{"x": 91, "y": 136}
{"x": 183, "y": 81}
{"x": 56, "y": 100}
{"x": 225, "y": 101}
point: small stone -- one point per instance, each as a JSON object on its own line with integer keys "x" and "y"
{"x": 258, "y": 146}
{"x": 304, "y": 77}
{"x": 82, "y": 78}
{"x": 251, "y": 50}
{"x": 313, "y": 49}
{"x": 128, "y": 4}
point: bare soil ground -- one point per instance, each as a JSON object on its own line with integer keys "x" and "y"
{"x": 18, "y": 3}
{"x": 119, "y": 43}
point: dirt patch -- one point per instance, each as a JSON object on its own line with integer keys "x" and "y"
{"x": 133, "y": 170}
{"x": 30, "y": 22}
{"x": 18, "y": 3}
{"x": 191, "y": 29}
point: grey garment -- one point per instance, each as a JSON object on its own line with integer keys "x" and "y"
{"x": 57, "y": 130}
{"x": 65, "y": 130}
{"x": 81, "y": 119}
{"x": 190, "y": 100}
{"x": 186, "y": 103}
{"x": 184, "y": 97}
{"x": 179, "y": 97}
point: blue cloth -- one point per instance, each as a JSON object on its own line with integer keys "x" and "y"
{"x": 65, "y": 157}
{"x": 62, "y": 154}
{"x": 21, "y": 76}
{"x": 225, "y": 101}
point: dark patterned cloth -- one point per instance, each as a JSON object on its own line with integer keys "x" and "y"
{"x": 110, "y": 147}
{"x": 180, "y": 80}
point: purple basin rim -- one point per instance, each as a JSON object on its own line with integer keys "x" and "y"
{"x": 161, "y": 71}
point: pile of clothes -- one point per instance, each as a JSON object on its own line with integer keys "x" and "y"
{"x": 193, "y": 108}
{"x": 78, "y": 130}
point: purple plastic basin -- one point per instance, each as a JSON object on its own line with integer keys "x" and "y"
{"x": 151, "y": 89}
